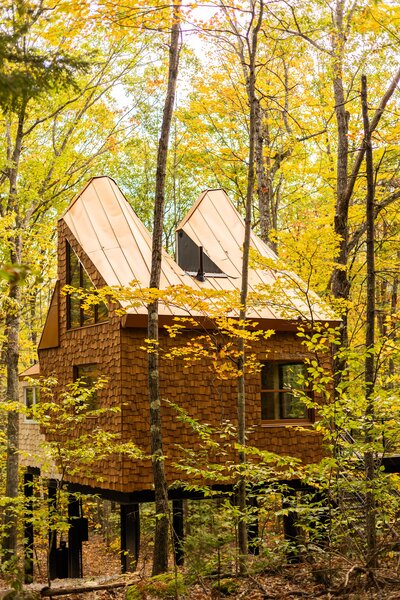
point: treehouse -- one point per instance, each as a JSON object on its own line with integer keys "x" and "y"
{"x": 102, "y": 242}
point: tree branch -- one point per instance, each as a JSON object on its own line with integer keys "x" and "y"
{"x": 373, "y": 125}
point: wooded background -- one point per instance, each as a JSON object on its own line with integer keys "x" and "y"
{"x": 82, "y": 89}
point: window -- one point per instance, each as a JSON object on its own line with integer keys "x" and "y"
{"x": 279, "y": 401}
{"x": 78, "y": 278}
{"x": 31, "y": 397}
{"x": 87, "y": 375}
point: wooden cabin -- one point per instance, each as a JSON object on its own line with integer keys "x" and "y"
{"x": 102, "y": 242}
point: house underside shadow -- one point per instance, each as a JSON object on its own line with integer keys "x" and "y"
{"x": 65, "y": 559}
{"x": 65, "y": 556}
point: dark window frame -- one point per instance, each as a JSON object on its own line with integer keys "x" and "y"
{"x": 309, "y": 417}
{"x": 83, "y": 315}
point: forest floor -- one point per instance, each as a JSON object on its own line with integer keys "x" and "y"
{"x": 102, "y": 566}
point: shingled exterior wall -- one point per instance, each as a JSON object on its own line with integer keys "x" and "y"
{"x": 94, "y": 344}
{"x": 121, "y": 358}
{"x": 32, "y": 440}
{"x": 199, "y": 392}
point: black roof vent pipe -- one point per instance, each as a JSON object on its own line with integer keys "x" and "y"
{"x": 200, "y": 273}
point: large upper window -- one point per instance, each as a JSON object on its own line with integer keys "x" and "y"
{"x": 78, "y": 278}
{"x": 279, "y": 398}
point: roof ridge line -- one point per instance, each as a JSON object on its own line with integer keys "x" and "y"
{"x": 195, "y": 206}
{"x": 79, "y": 194}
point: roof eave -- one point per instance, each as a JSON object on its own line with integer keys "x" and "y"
{"x": 139, "y": 321}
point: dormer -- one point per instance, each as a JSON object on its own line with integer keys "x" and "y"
{"x": 214, "y": 225}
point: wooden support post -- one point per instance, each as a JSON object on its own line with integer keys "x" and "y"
{"x": 52, "y": 501}
{"x": 74, "y": 538}
{"x": 252, "y": 528}
{"x": 178, "y": 527}
{"x": 28, "y": 528}
{"x": 130, "y": 536}
{"x": 291, "y": 531}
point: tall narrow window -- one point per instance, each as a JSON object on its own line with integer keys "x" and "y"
{"x": 78, "y": 278}
{"x": 31, "y": 397}
{"x": 279, "y": 399}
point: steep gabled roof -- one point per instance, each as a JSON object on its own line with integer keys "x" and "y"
{"x": 116, "y": 241}
{"x": 50, "y": 337}
{"x": 214, "y": 224}
{"x": 119, "y": 245}
{"x": 114, "y": 238}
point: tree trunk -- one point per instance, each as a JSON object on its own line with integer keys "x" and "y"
{"x": 251, "y": 176}
{"x": 12, "y": 356}
{"x": 345, "y": 183}
{"x": 340, "y": 281}
{"x": 370, "y": 508}
{"x": 264, "y": 184}
{"x": 12, "y": 321}
{"x": 160, "y": 553}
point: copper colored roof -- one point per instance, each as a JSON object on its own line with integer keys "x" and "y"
{"x": 119, "y": 245}
{"x": 214, "y": 223}
{"x": 116, "y": 241}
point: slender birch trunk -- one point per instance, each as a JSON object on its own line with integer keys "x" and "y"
{"x": 250, "y": 70}
{"x": 340, "y": 280}
{"x": 370, "y": 503}
{"x": 264, "y": 180}
{"x": 160, "y": 553}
